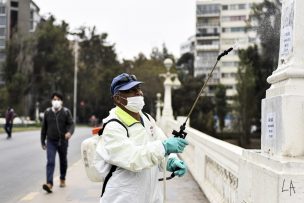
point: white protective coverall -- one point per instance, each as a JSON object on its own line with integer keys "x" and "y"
{"x": 138, "y": 159}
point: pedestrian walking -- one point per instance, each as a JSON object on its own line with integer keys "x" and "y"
{"x": 133, "y": 149}
{"x": 9, "y": 120}
{"x": 57, "y": 129}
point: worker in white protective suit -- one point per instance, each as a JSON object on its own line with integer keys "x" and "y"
{"x": 134, "y": 152}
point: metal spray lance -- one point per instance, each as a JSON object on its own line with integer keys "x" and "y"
{"x": 181, "y": 133}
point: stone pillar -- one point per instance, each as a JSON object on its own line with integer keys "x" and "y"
{"x": 276, "y": 172}
{"x": 167, "y": 110}
{"x": 158, "y": 106}
{"x": 283, "y": 107}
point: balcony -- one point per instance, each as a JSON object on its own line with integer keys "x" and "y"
{"x": 209, "y": 47}
{"x": 217, "y": 34}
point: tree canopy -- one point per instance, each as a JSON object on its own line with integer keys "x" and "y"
{"x": 256, "y": 64}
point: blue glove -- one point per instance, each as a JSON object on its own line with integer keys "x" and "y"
{"x": 177, "y": 166}
{"x": 174, "y": 145}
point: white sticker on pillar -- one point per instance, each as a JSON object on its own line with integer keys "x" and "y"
{"x": 271, "y": 126}
{"x": 286, "y": 39}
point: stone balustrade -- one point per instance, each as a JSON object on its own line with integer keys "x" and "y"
{"x": 213, "y": 163}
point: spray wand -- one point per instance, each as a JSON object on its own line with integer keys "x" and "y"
{"x": 182, "y": 133}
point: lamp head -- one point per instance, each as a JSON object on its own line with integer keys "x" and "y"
{"x": 168, "y": 64}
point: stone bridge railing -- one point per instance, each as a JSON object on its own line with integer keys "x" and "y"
{"x": 213, "y": 163}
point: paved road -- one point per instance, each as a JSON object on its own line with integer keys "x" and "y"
{"x": 22, "y": 168}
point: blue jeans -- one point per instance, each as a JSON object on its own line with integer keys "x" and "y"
{"x": 8, "y": 129}
{"x": 51, "y": 148}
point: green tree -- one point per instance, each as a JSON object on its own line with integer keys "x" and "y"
{"x": 161, "y": 55}
{"x": 186, "y": 62}
{"x": 3, "y": 100}
{"x": 246, "y": 99}
{"x": 221, "y": 108}
{"x": 17, "y": 72}
{"x": 148, "y": 71}
{"x": 202, "y": 117}
{"x": 53, "y": 63}
{"x": 97, "y": 67}
{"x": 268, "y": 16}
{"x": 264, "y": 58}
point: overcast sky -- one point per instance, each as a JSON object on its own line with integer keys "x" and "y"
{"x": 133, "y": 25}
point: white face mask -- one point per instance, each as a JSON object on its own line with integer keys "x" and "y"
{"x": 135, "y": 104}
{"x": 56, "y": 104}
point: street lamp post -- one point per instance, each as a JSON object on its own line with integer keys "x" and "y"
{"x": 37, "y": 112}
{"x": 159, "y": 104}
{"x": 168, "y": 85}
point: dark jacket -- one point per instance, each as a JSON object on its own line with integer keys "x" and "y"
{"x": 56, "y": 125}
{"x": 9, "y": 116}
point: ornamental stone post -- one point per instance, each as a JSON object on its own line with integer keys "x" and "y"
{"x": 283, "y": 107}
{"x": 168, "y": 85}
{"x": 276, "y": 172}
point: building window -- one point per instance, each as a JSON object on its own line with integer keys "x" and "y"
{"x": 233, "y": 7}
{"x": 207, "y": 9}
{"x": 231, "y": 41}
{"x": 2, "y": 42}
{"x": 230, "y": 63}
{"x": 233, "y": 75}
{"x": 206, "y": 59}
{"x": 2, "y": 20}
{"x": 233, "y": 29}
{"x": 233, "y": 18}
{"x": 242, "y": 6}
{"x": 2, "y": 31}
{"x": 14, "y": 4}
{"x": 211, "y": 31}
{"x": 237, "y": 6}
{"x": 2, "y": 55}
{"x": 208, "y": 42}
{"x": 2, "y": 9}
{"x": 225, "y": 7}
{"x": 208, "y": 21}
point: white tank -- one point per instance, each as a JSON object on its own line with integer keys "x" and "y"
{"x": 88, "y": 153}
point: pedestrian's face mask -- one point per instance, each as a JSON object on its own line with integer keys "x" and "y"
{"x": 57, "y": 104}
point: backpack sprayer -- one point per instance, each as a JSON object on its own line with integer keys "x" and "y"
{"x": 182, "y": 133}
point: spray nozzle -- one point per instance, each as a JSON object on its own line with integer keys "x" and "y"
{"x": 181, "y": 133}
{"x": 224, "y": 53}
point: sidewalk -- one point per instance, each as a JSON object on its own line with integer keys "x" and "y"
{"x": 80, "y": 189}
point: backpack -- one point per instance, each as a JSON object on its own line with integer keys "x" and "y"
{"x": 88, "y": 151}
{"x": 88, "y": 154}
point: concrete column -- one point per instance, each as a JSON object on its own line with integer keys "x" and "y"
{"x": 276, "y": 173}
{"x": 283, "y": 107}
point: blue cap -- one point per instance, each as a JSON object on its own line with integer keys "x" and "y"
{"x": 122, "y": 82}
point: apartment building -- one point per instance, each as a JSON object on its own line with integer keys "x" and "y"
{"x": 16, "y": 16}
{"x": 221, "y": 24}
{"x": 188, "y": 46}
